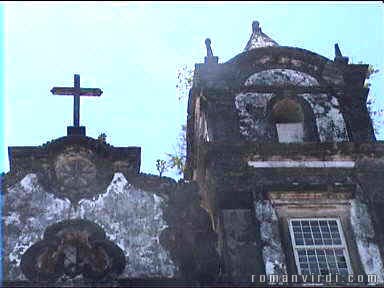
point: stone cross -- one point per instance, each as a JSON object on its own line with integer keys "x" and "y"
{"x": 76, "y": 92}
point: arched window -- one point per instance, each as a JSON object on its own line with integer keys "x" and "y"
{"x": 288, "y": 116}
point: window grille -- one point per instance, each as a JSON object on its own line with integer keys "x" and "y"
{"x": 319, "y": 246}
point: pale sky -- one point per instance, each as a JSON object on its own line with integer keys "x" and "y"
{"x": 132, "y": 51}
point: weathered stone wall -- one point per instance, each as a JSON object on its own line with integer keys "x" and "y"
{"x": 252, "y": 111}
{"x": 158, "y": 224}
{"x": 365, "y": 239}
{"x": 131, "y": 217}
{"x": 241, "y": 177}
{"x": 273, "y": 253}
{"x": 241, "y": 255}
{"x": 255, "y": 125}
{"x": 28, "y": 210}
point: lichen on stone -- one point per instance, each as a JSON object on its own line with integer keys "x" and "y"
{"x": 329, "y": 119}
{"x": 281, "y": 77}
{"x": 133, "y": 218}
{"x": 364, "y": 233}
{"x": 273, "y": 254}
{"x": 252, "y": 109}
{"x": 28, "y": 211}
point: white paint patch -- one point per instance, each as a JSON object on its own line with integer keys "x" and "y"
{"x": 259, "y": 40}
{"x": 368, "y": 250}
{"x": 28, "y": 182}
{"x": 281, "y": 77}
{"x": 329, "y": 120}
{"x": 301, "y": 164}
{"x": 13, "y": 218}
{"x": 252, "y": 109}
{"x": 133, "y": 218}
{"x": 27, "y": 212}
{"x": 273, "y": 254}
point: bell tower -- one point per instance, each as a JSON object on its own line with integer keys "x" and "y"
{"x": 278, "y": 139}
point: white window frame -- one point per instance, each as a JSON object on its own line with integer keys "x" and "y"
{"x": 343, "y": 244}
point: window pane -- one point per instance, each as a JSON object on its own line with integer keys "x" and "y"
{"x": 306, "y": 229}
{"x": 327, "y": 241}
{"x": 301, "y": 252}
{"x": 308, "y": 242}
{"x": 318, "y": 241}
{"x": 299, "y": 242}
{"x": 337, "y": 242}
{"x": 296, "y": 229}
{"x": 320, "y": 248}
{"x": 343, "y": 271}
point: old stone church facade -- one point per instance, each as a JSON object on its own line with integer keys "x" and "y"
{"x": 283, "y": 178}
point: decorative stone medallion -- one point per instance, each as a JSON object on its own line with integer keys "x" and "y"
{"x": 73, "y": 167}
{"x": 70, "y": 249}
{"x": 75, "y": 171}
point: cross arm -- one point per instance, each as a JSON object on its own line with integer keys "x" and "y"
{"x": 72, "y": 91}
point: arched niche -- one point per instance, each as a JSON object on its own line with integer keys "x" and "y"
{"x": 287, "y": 110}
{"x": 288, "y": 117}
{"x": 259, "y": 113}
{"x": 293, "y": 118}
{"x": 281, "y": 77}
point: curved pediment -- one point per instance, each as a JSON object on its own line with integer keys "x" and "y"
{"x": 287, "y": 51}
{"x": 308, "y": 66}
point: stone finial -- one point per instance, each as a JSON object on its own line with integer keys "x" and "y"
{"x": 256, "y": 27}
{"x": 209, "y": 49}
{"x": 337, "y": 51}
{"x": 338, "y": 56}
{"x": 258, "y": 38}
{"x": 210, "y": 58}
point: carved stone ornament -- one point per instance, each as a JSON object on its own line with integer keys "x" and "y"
{"x": 72, "y": 248}
{"x": 73, "y": 167}
{"x": 77, "y": 172}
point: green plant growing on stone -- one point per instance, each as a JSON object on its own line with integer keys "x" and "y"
{"x": 184, "y": 81}
{"x": 161, "y": 166}
{"x": 177, "y": 159}
{"x": 102, "y": 138}
{"x": 371, "y": 71}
